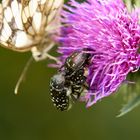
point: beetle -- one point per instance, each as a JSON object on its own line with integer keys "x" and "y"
{"x": 60, "y": 92}
{"x": 68, "y": 84}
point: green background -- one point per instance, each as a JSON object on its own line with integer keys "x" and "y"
{"x": 30, "y": 115}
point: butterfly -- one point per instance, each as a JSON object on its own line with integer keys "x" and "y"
{"x": 30, "y": 25}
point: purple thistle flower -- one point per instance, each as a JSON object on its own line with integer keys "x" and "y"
{"x": 112, "y": 35}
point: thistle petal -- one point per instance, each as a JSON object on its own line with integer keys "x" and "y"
{"x": 112, "y": 35}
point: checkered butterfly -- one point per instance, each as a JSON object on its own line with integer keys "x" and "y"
{"x": 28, "y": 25}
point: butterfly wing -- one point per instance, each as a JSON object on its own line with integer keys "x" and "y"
{"x": 39, "y": 14}
{"x": 41, "y": 19}
{"x": 12, "y": 33}
{"x": 23, "y": 23}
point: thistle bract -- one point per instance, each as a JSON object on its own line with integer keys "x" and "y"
{"x": 111, "y": 34}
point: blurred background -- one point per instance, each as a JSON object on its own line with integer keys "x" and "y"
{"x": 30, "y": 115}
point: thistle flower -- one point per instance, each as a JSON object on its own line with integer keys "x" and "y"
{"x": 112, "y": 35}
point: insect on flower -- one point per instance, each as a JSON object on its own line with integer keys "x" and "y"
{"x": 60, "y": 92}
{"x": 112, "y": 34}
{"x": 67, "y": 86}
{"x": 29, "y": 25}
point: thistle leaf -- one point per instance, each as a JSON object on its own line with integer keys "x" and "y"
{"x": 131, "y": 104}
